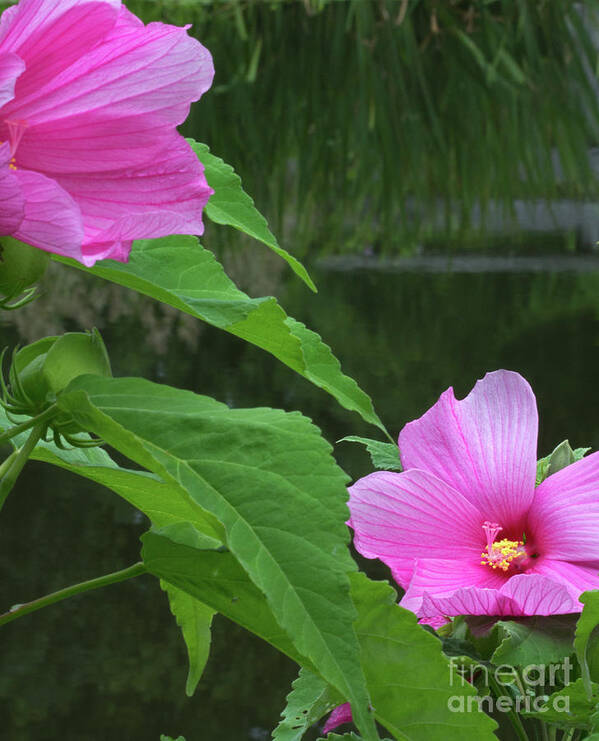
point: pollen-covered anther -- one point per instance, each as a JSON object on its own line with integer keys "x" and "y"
{"x": 502, "y": 553}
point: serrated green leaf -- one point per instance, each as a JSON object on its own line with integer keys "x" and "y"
{"x": 269, "y": 477}
{"x": 384, "y": 456}
{"x": 230, "y": 205}
{"x": 310, "y": 698}
{"x": 195, "y": 619}
{"x": 179, "y": 272}
{"x": 404, "y": 664}
{"x": 568, "y": 708}
{"x": 535, "y": 640}
{"x": 586, "y": 642}
{"x": 408, "y": 676}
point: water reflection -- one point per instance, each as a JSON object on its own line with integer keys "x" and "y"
{"x": 111, "y": 664}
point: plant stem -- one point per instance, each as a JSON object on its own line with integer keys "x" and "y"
{"x": 512, "y": 714}
{"x": 45, "y": 416}
{"x": 85, "y": 586}
{"x": 18, "y": 460}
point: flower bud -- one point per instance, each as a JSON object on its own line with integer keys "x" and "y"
{"x": 40, "y": 371}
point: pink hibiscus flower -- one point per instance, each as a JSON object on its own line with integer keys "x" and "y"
{"x": 463, "y": 528}
{"x": 90, "y": 98}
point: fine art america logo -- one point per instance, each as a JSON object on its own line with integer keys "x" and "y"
{"x": 509, "y": 690}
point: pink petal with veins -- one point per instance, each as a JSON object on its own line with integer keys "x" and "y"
{"x": 484, "y": 446}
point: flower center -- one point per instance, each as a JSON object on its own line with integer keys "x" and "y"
{"x": 501, "y": 554}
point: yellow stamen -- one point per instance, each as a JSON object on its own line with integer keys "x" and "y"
{"x": 500, "y": 555}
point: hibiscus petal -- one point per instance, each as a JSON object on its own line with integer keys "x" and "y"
{"x": 86, "y": 144}
{"x": 484, "y": 445}
{"x": 441, "y": 578}
{"x": 12, "y": 202}
{"x": 340, "y": 715}
{"x": 535, "y": 594}
{"x": 52, "y": 219}
{"x": 399, "y": 517}
{"x": 119, "y": 251}
{"x": 166, "y": 197}
{"x": 564, "y": 516}
{"x": 11, "y": 66}
{"x": 51, "y": 34}
{"x": 576, "y": 577}
{"x": 523, "y": 594}
{"x": 155, "y": 71}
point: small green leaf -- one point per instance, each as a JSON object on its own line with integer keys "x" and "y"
{"x": 170, "y": 738}
{"x": 384, "y": 456}
{"x": 586, "y": 642}
{"x": 571, "y": 707}
{"x": 535, "y": 640}
{"x": 310, "y": 698}
{"x": 194, "y": 619}
{"x": 230, "y": 205}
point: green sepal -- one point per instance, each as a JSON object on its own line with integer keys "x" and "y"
{"x": 562, "y": 456}
{"x": 21, "y": 267}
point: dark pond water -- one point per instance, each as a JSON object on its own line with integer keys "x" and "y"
{"x": 111, "y": 664}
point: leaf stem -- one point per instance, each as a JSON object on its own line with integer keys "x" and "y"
{"x": 42, "y": 418}
{"x": 85, "y": 586}
{"x": 17, "y": 460}
{"x": 512, "y": 715}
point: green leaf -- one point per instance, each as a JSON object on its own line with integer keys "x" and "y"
{"x": 269, "y": 477}
{"x": 170, "y": 738}
{"x": 179, "y": 272}
{"x": 194, "y": 619}
{"x": 384, "y": 456}
{"x": 406, "y": 670}
{"x": 164, "y": 503}
{"x": 570, "y": 707}
{"x": 230, "y": 205}
{"x": 408, "y": 676}
{"x": 310, "y": 698}
{"x": 562, "y": 456}
{"x": 216, "y": 578}
{"x": 586, "y": 642}
{"x": 535, "y": 640}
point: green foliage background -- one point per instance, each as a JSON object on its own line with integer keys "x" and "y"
{"x": 412, "y": 112}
